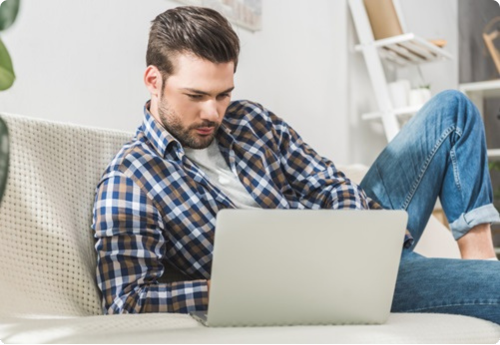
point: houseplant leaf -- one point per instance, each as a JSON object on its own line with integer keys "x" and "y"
{"x": 8, "y": 13}
{"x": 4, "y": 156}
{"x": 7, "y": 75}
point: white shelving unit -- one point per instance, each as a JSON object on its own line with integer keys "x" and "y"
{"x": 408, "y": 49}
{"x": 494, "y": 154}
{"x": 402, "y": 50}
{"x": 479, "y": 91}
{"x": 399, "y": 112}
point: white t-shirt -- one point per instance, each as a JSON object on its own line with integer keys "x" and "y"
{"x": 213, "y": 164}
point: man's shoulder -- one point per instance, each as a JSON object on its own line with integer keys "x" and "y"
{"x": 241, "y": 109}
{"x": 131, "y": 159}
{"x": 244, "y": 115}
{"x": 252, "y": 124}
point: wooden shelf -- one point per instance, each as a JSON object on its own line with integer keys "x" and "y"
{"x": 408, "y": 49}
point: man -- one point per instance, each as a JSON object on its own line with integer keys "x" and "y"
{"x": 197, "y": 152}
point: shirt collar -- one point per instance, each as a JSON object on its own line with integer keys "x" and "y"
{"x": 159, "y": 137}
{"x": 165, "y": 142}
{"x": 224, "y": 135}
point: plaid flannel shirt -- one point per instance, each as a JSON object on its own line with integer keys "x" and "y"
{"x": 153, "y": 205}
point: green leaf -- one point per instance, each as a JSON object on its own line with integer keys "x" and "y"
{"x": 8, "y": 13}
{"x": 7, "y": 75}
{"x": 495, "y": 165}
{"x": 4, "y": 156}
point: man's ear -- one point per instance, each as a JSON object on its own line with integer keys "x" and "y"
{"x": 153, "y": 80}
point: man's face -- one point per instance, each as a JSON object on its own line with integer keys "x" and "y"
{"x": 195, "y": 99}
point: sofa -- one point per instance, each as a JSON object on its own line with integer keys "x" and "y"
{"x": 48, "y": 291}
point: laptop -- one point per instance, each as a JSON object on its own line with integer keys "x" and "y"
{"x": 303, "y": 267}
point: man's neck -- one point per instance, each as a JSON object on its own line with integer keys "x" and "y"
{"x": 153, "y": 109}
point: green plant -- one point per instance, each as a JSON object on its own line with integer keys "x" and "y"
{"x": 8, "y": 14}
{"x": 4, "y": 157}
{"x": 494, "y": 165}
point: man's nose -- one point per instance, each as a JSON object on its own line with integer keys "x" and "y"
{"x": 209, "y": 111}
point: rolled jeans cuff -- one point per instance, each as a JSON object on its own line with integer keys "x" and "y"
{"x": 466, "y": 221}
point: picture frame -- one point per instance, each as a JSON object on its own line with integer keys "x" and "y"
{"x": 244, "y": 13}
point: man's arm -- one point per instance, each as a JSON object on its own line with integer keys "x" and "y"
{"x": 314, "y": 178}
{"x": 130, "y": 245}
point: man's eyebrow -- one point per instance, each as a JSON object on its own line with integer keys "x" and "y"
{"x": 203, "y": 92}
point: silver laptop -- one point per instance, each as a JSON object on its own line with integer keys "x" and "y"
{"x": 304, "y": 267}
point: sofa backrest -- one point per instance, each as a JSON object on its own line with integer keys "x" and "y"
{"x": 46, "y": 243}
{"x": 48, "y": 261}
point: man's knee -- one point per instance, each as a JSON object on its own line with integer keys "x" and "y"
{"x": 458, "y": 106}
{"x": 452, "y": 96}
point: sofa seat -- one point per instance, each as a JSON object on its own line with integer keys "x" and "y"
{"x": 171, "y": 328}
{"x": 48, "y": 292}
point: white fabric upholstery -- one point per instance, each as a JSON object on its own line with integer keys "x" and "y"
{"x": 178, "y": 329}
{"x": 47, "y": 272}
{"x": 48, "y": 265}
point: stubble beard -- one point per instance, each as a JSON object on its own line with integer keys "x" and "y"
{"x": 186, "y": 136}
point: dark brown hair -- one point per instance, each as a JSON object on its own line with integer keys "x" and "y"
{"x": 188, "y": 29}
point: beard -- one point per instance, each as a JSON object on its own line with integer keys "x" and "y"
{"x": 187, "y": 136}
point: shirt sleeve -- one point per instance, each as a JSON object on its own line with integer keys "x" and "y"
{"x": 130, "y": 246}
{"x": 314, "y": 178}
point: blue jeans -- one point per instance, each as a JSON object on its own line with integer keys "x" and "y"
{"x": 441, "y": 152}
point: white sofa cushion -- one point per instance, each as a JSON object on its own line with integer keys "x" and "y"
{"x": 48, "y": 265}
{"x": 47, "y": 271}
{"x": 177, "y": 329}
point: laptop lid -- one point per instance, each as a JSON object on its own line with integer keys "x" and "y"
{"x": 299, "y": 267}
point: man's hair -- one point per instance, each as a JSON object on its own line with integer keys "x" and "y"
{"x": 188, "y": 29}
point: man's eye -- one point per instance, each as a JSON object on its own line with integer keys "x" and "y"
{"x": 196, "y": 97}
{"x": 224, "y": 95}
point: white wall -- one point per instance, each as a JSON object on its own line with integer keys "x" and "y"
{"x": 297, "y": 67}
{"x": 82, "y": 61}
{"x": 429, "y": 19}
